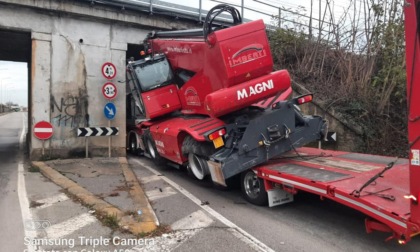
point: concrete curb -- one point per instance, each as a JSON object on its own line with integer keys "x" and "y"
{"x": 137, "y": 193}
{"x": 147, "y": 223}
{"x": 5, "y": 113}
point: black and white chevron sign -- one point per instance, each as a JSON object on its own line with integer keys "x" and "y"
{"x": 97, "y": 131}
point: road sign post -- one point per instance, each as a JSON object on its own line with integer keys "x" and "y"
{"x": 109, "y": 91}
{"x": 97, "y": 131}
{"x": 87, "y": 147}
{"x": 110, "y": 110}
{"x": 43, "y": 130}
{"x": 109, "y": 141}
{"x": 331, "y": 136}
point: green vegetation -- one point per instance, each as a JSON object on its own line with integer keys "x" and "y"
{"x": 356, "y": 65}
{"x": 46, "y": 158}
{"x": 162, "y": 229}
{"x": 110, "y": 221}
{"x": 33, "y": 168}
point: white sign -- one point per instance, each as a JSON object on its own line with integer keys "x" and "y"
{"x": 108, "y": 70}
{"x": 415, "y": 159}
{"x": 109, "y": 90}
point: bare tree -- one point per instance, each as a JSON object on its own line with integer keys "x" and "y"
{"x": 354, "y": 61}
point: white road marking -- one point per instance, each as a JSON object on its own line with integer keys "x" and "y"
{"x": 184, "y": 229}
{"x": 237, "y": 231}
{"x": 160, "y": 193}
{"x": 69, "y": 226}
{"x": 23, "y": 197}
{"x": 24, "y": 205}
{"x": 166, "y": 242}
{"x": 22, "y": 134}
{"x": 149, "y": 179}
{"x": 195, "y": 220}
{"x": 51, "y": 200}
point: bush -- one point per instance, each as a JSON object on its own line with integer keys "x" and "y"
{"x": 359, "y": 72}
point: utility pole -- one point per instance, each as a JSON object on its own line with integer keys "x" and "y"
{"x": 1, "y": 93}
{"x": 200, "y": 9}
{"x": 242, "y": 8}
{"x": 1, "y": 85}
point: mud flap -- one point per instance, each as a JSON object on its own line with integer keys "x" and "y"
{"x": 216, "y": 173}
{"x": 278, "y": 197}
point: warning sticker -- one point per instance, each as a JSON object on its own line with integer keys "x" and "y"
{"x": 415, "y": 157}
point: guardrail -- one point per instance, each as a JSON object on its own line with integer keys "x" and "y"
{"x": 279, "y": 18}
{"x": 161, "y": 7}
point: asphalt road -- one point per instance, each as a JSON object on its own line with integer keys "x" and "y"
{"x": 307, "y": 224}
{"x": 28, "y": 198}
{"x": 11, "y": 230}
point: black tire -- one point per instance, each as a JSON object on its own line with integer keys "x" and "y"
{"x": 253, "y": 189}
{"x": 152, "y": 150}
{"x": 231, "y": 183}
{"x": 132, "y": 144}
{"x": 202, "y": 149}
{"x": 197, "y": 153}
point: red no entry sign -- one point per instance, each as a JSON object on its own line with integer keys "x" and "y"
{"x": 43, "y": 130}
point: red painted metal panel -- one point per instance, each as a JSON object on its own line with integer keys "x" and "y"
{"x": 161, "y": 101}
{"x": 231, "y": 99}
{"x": 238, "y": 55}
{"x": 391, "y": 213}
{"x": 246, "y": 55}
{"x": 412, "y": 35}
{"x": 170, "y": 134}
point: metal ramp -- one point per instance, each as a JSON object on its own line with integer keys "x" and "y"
{"x": 339, "y": 176}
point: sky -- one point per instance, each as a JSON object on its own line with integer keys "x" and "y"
{"x": 14, "y": 77}
{"x": 14, "y": 82}
{"x": 271, "y": 7}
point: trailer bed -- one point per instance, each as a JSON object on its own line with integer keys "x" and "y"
{"x": 339, "y": 175}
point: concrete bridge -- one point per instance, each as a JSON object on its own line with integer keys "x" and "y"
{"x": 65, "y": 43}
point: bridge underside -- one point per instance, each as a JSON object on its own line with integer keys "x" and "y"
{"x": 15, "y": 46}
{"x": 65, "y": 43}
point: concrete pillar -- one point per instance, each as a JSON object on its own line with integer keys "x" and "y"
{"x": 40, "y": 85}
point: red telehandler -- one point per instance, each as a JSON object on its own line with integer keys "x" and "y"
{"x": 216, "y": 87}
{"x": 208, "y": 99}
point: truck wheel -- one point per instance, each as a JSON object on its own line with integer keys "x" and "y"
{"x": 151, "y": 149}
{"x": 198, "y": 166}
{"x": 231, "y": 183}
{"x": 132, "y": 144}
{"x": 253, "y": 188}
{"x": 196, "y": 153}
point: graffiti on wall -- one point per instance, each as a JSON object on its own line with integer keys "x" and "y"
{"x": 70, "y": 111}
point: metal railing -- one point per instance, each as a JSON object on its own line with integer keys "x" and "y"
{"x": 279, "y": 17}
{"x": 160, "y": 7}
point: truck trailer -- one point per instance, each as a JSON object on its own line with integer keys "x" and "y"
{"x": 208, "y": 100}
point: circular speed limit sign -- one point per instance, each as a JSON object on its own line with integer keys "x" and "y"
{"x": 108, "y": 70}
{"x": 109, "y": 90}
